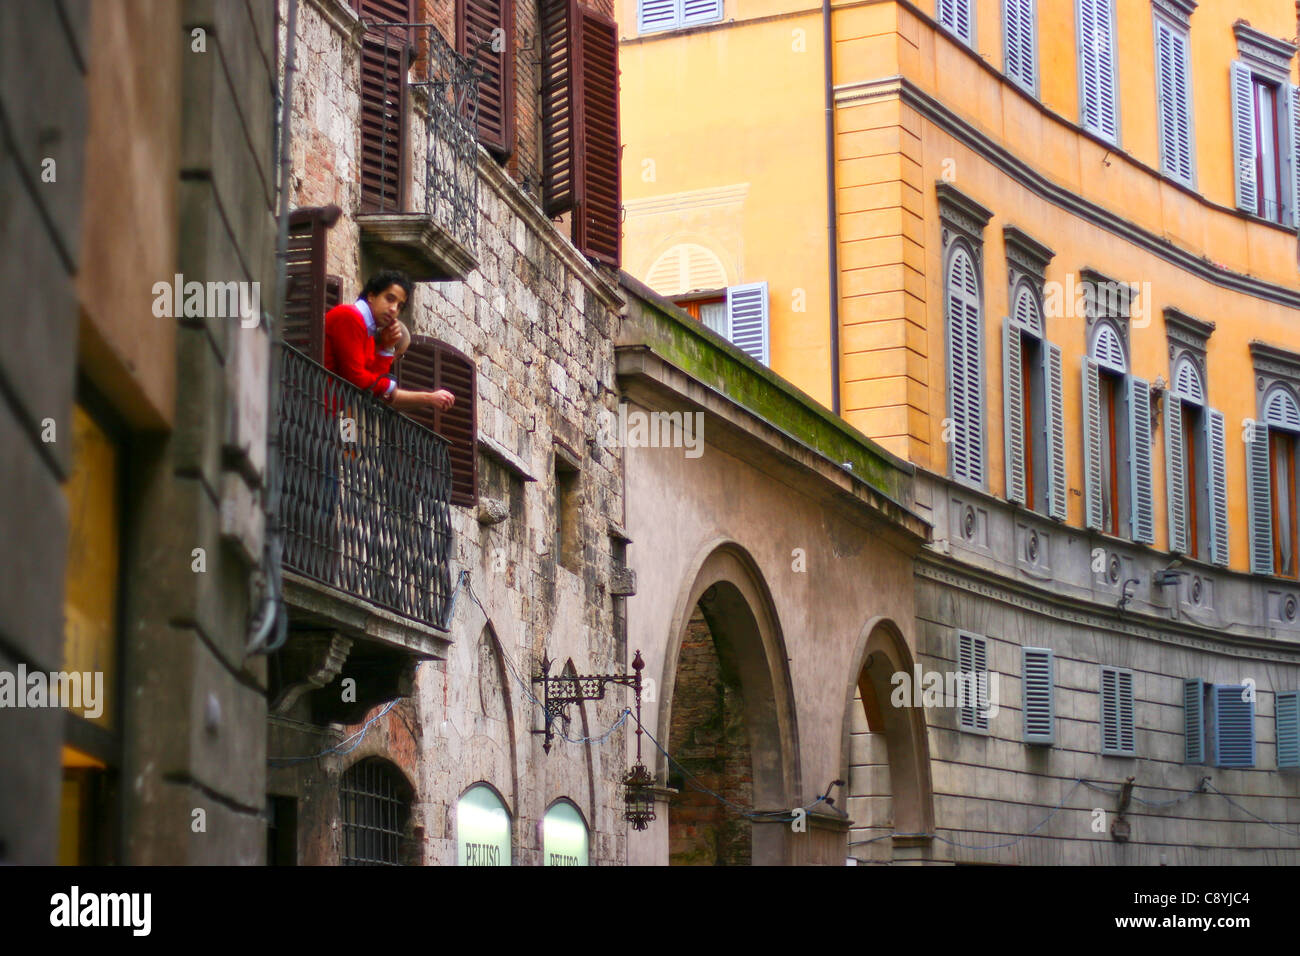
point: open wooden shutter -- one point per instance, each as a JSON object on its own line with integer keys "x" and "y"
{"x": 560, "y": 106}
{"x": 1193, "y": 720}
{"x": 485, "y": 31}
{"x": 1259, "y": 495}
{"x": 307, "y": 287}
{"x": 1215, "y": 442}
{"x": 1175, "y": 492}
{"x": 1092, "y": 476}
{"x": 1013, "y": 413}
{"x": 1142, "y": 511}
{"x": 1243, "y": 137}
{"x": 965, "y": 369}
{"x": 384, "y": 63}
{"x": 1292, "y": 97}
{"x": 1057, "y": 502}
{"x": 429, "y": 365}
{"x": 747, "y": 319}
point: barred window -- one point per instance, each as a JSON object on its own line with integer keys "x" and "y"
{"x": 376, "y": 804}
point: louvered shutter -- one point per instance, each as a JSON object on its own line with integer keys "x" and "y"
{"x": 1092, "y": 477}
{"x": 1013, "y": 413}
{"x": 747, "y": 319}
{"x": 430, "y": 365}
{"x": 1194, "y": 720}
{"x": 384, "y": 63}
{"x": 309, "y": 292}
{"x": 1039, "y": 692}
{"x": 1019, "y": 42}
{"x": 560, "y": 106}
{"x": 1234, "y": 726}
{"x": 1288, "y": 730}
{"x": 597, "y": 217}
{"x": 1097, "y": 63}
{"x": 1215, "y": 442}
{"x": 965, "y": 364}
{"x": 1117, "y": 732}
{"x": 1292, "y": 96}
{"x": 1175, "y": 476}
{"x": 1055, "y": 424}
{"x": 956, "y": 16}
{"x": 1243, "y": 137}
{"x": 485, "y": 31}
{"x": 1175, "y": 112}
{"x": 972, "y": 668}
{"x": 654, "y": 15}
{"x": 701, "y": 11}
{"x": 1260, "y": 499}
{"x": 1141, "y": 499}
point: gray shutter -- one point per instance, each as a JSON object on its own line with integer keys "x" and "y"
{"x": 1194, "y": 720}
{"x": 1243, "y": 137}
{"x": 1260, "y": 498}
{"x": 1175, "y": 112}
{"x": 747, "y": 319}
{"x": 1013, "y": 413}
{"x": 1175, "y": 473}
{"x": 1217, "y": 457}
{"x": 1092, "y": 477}
{"x": 1039, "y": 708}
{"x": 1097, "y": 64}
{"x": 1019, "y": 42}
{"x": 1234, "y": 726}
{"x": 965, "y": 366}
{"x": 956, "y": 16}
{"x": 1142, "y": 505}
{"x": 1288, "y": 730}
{"x": 701, "y": 11}
{"x": 1055, "y": 424}
{"x": 972, "y": 667}
{"x": 1292, "y": 96}
{"x": 1117, "y": 733}
{"x": 657, "y": 15}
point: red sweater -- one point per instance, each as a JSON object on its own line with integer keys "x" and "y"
{"x": 350, "y": 351}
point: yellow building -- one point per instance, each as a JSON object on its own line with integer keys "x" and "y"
{"x": 1046, "y": 250}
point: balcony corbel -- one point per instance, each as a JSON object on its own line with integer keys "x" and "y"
{"x": 414, "y": 243}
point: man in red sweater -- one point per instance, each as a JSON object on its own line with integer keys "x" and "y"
{"x": 360, "y": 340}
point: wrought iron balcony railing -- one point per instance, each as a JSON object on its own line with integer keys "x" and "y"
{"x": 397, "y": 59}
{"x": 364, "y": 502}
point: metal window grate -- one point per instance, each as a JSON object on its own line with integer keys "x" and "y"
{"x": 374, "y": 814}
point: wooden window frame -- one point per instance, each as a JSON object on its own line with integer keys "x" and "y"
{"x": 501, "y": 147}
{"x": 1286, "y": 441}
{"x": 367, "y": 200}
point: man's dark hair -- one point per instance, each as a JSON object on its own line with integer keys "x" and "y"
{"x": 380, "y": 281}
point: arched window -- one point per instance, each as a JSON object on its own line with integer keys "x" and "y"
{"x": 565, "y": 837}
{"x": 965, "y": 365}
{"x": 1033, "y": 412}
{"x": 482, "y": 828}
{"x": 1195, "y": 467}
{"x": 1271, "y": 474}
{"x": 1187, "y": 381}
{"x": 376, "y": 805}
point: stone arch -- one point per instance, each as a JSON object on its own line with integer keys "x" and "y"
{"x": 732, "y": 595}
{"x": 882, "y": 652}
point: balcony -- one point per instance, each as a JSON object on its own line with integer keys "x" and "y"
{"x": 423, "y": 224}
{"x": 367, "y": 540}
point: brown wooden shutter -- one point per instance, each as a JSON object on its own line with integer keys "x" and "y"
{"x": 307, "y": 290}
{"x": 597, "y": 218}
{"x": 477, "y": 23}
{"x": 559, "y": 106}
{"x": 384, "y": 63}
{"x": 430, "y": 365}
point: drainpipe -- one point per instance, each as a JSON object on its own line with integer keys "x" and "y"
{"x": 272, "y": 616}
{"x": 832, "y": 230}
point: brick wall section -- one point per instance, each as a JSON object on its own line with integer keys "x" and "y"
{"x": 708, "y": 738}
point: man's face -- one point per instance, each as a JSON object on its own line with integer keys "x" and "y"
{"x": 385, "y": 306}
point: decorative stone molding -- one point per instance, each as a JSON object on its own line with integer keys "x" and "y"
{"x": 1263, "y": 53}
{"x": 499, "y": 452}
{"x": 1274, "y": 366}
{"x": 310, "y": 661}
{"x": 1026, "y": 253}
{"x": 622, "y": 582}
{"x": 414, "y": 243}
{"x": 959, "y": 212}
{"x": 342, "y": 19}
{"x": 1179, "y": 11}
{"x": 1187, "y": 336}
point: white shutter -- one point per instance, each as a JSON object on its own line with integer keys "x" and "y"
{"x": 1055, "y": 424}
{"x": 956, "y": 16}
{"x": 1013, "y": 413}
{"x": 1038, "y": 691}
{"x": 1019, "y": 42}
{"x": 701, "y": 11}
{"x": 1175, "y": 475}
{"x": 965, "y": 365}
{"x": 747, "y": 319}
{"x": 1142, "y": 506}
{"x": 1097, "y": 64}
{"x": 1292, "y": 96}
{"x": 1215, "y": 442}
{"x": 657, "y": 15}
{"x": 1092, "y": 476}
{"x": 1175, "y": 107}
{"x": 1243, "y": 137}
{"x": 1260, "y": 497}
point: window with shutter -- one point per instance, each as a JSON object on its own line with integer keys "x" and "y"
{"x": 1173, "y": 86}
{"x": 384, "y": 64}
{"x": 1037, "y": 666}
{"x": 1234, "y": 725}
{"x": 430, "y": 365}
{"x": 1215, "y": 437}
{"x": 1020, "y": 46}
{"x": 309, "y": 292}
{"x": 559, "y": 105}
{"x": 747, "y": 319}
{"x": 1056, "y": 489}
{"x": 485, "y": 31}
{"x": 1030, "y": 426}
{"x": 1092, "y": 444}
{"x": 1117, "y": 731}
{"x": 1195, "y": 470}
{"x": 1098, "y": 107}
{"x": 1013, "y": 412}
{"x": 1259, "y": 497}
{"x": 958, "y": 17}
{"x": 1141, "y": 498}
{"x": 656, "y": 15}
{"x": 965, "y": 365}
{"x": 972, "y": 670}
{"x": 1243, "y": 136}
{"x": 1288, "y": 730}
{"x": 1292, "y": 127}
{"x": 1175, "y": 470}
{"x": 1194, "y": 720}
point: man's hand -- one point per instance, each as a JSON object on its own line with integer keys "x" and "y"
{"x": 387, "y": 337}
{"x": 442, "y": 399}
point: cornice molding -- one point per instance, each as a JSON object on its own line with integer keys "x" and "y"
{"x": 1038, "y": 184}
{"x": 342, "y": 19}
{"x": 1180, "y": 11}
{"x": 1275, "y": 361}
{"x": 1184, "y": 329}
{"x": 961, "y": 212}
{"x": 1027, "y": 252}
{"x": 1262, "y": 52}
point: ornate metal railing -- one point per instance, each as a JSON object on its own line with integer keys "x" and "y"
{"x": 364, "y": 501}
{"x": 445, "y": 84}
